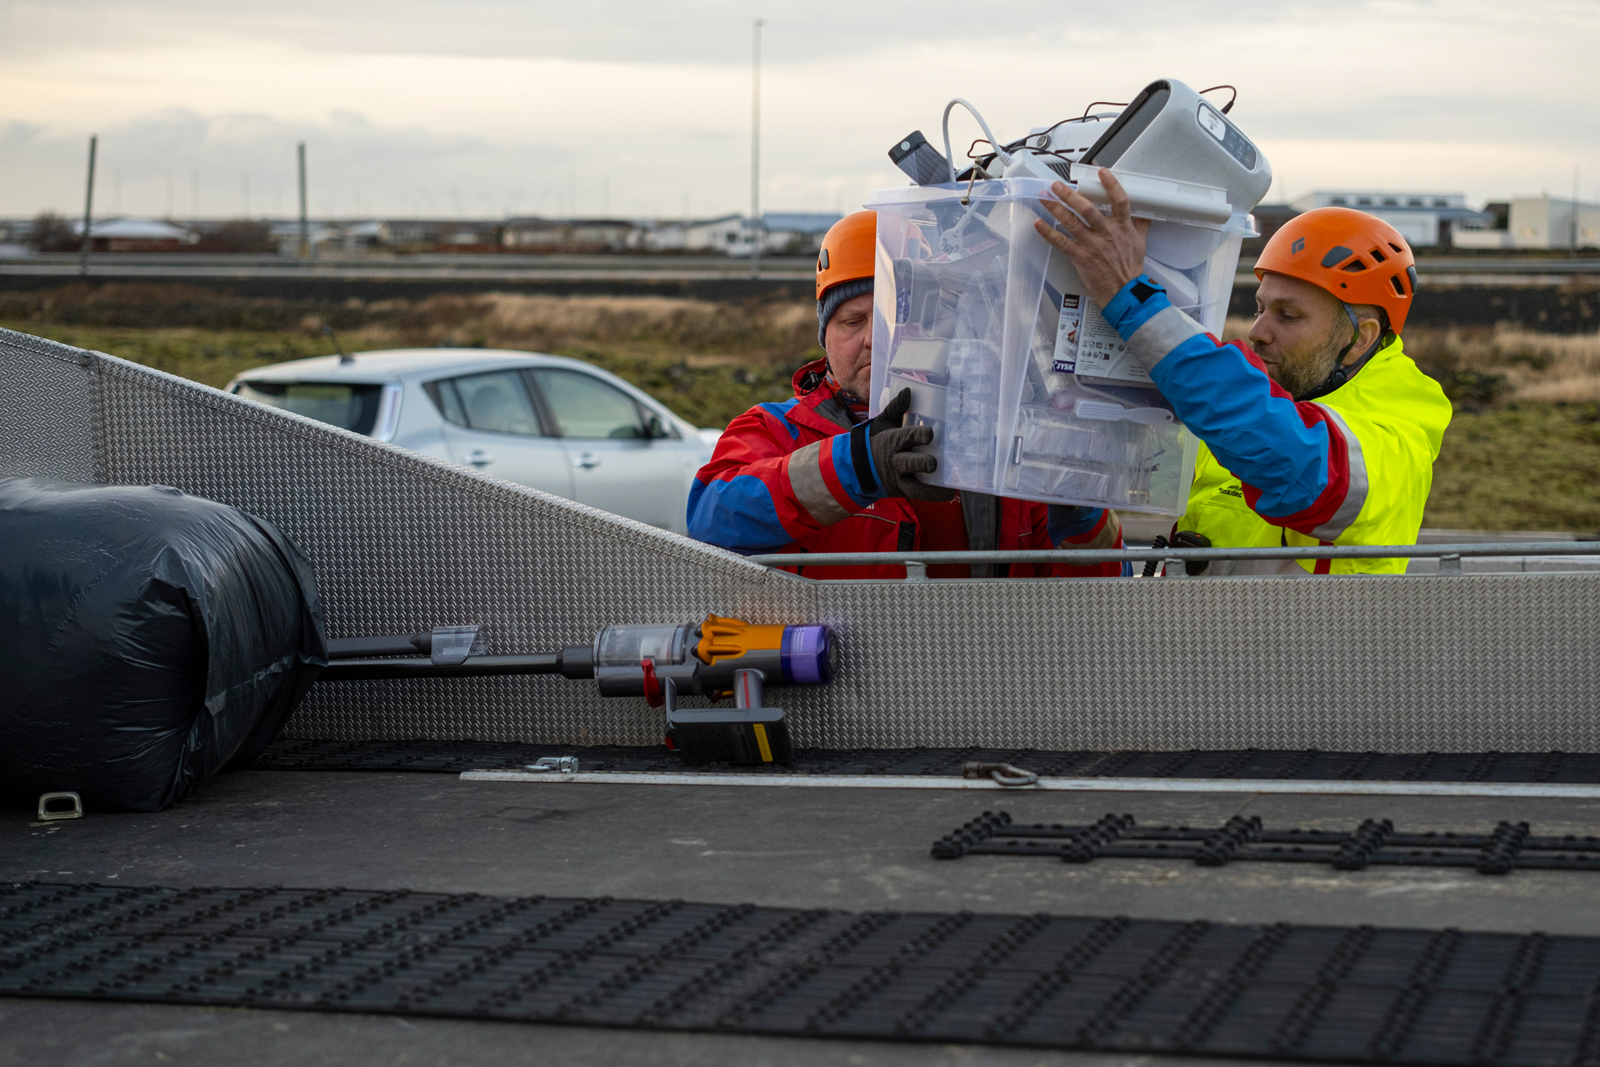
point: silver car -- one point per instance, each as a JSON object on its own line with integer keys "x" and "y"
{"x": 556, "y": 424}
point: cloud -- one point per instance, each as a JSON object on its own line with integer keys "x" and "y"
{"x": 186, "y": 163}
{"x": 612, "y": 31}
{"x": 644, "y": 108}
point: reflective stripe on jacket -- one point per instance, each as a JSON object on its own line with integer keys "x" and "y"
{"x": 1353, "y": 467}
{"x": 782, "y": 480}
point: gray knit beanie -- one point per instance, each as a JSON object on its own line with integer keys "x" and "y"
{"x": 832, "y": 299}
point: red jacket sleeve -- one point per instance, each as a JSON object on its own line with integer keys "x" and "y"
{"x": 763, "y": 489}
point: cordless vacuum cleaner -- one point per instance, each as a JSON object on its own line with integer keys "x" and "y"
{"x": 718, "y": 658}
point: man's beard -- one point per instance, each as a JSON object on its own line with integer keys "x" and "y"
{"x": 1304, "y": 375}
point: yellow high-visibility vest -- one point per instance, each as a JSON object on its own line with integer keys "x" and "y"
{"x": 1393, "y": 417}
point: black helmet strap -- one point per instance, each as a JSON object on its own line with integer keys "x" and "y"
{"x": 1341, "y": 373}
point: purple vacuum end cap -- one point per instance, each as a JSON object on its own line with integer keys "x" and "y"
{"x": 806, "y": 659}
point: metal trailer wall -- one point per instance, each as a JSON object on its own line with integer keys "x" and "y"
{"x": 403, "y": 543}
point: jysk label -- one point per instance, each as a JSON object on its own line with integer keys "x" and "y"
{"x": 1066, "y": 357}
{"x": 1087, "y": 344}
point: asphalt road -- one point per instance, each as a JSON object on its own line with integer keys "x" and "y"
{"x": 420, "y": 267}
{"x": 1441, "y": 270}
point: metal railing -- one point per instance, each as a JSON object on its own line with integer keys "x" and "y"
{"x": 917, "y": 563}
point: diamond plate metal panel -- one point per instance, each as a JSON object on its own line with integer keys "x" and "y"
{"x": 402, "y": 542}
{"x": 46, "y": 409}
{"x": 1395, "y": 664}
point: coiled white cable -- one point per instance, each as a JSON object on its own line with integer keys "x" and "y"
{"x": 949, "y": 156}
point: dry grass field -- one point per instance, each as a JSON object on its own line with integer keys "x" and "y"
{"x": 707, "y": 361}
{"x": 1522, "y": 453}
{"x": 1506, "y": 363}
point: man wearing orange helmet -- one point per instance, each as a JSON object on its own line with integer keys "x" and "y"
{"x": 813, "y": 474}
{"x": 1324, "y": 433}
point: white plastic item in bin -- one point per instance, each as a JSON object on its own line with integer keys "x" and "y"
{"x": 1030, "y": 392}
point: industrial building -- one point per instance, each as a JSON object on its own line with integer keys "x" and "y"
{"x": 1540, "y": 222}
{"x": 1425, "y": 220}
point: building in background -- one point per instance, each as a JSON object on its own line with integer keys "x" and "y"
{"x": 796, "y": 233}
{"x": 324, "y": 237}
{"x": 424, "y": 235}
{"x": 469, "y": 238}
{"x": 698, "y": 235}
{"x": 716, "y": 235}
{"x": 1269, "y": 219}
{"x": 781, "y": 234}
{"x": 137, "y": 235}
{"x": 17, "y": 237}
{"x": 1425, "y": 220}
{"x": 418, "y": 234}
{"x": 569, "y": 235}
{"x": 1544, "y": 222}
{"x": 364, "y": 236}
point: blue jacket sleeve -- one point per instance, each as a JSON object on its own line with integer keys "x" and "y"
{"x": 736, "y": 513}
{"x": 1067, "y": 521}
{"x": 1253, "y": 427}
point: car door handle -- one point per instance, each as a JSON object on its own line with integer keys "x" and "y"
{"x": 479, "y": 458}
{"x": 587, "y": 461}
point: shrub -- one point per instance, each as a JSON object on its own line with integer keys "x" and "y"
{"x": 52, "y": 233}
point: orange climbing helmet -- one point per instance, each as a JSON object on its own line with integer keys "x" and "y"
{"x": 1357, "y": 257}
{"x": 847, "y": 252}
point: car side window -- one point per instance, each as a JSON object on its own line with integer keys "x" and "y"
{"x": 497, "y": 401}
{"x": 585, "y": 406}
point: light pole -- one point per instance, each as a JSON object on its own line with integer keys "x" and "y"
{"x": 1575, "y": 173}
{"x": 755, "y": 147}
{"x": 305, "y": 222}
{"x": 88, "y": 209}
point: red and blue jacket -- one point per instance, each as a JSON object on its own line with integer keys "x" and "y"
{"x": 784, "y": 478}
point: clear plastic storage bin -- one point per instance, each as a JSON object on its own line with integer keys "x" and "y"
{"x": 1030, "y": 391}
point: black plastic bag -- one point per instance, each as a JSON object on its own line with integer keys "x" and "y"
{"x": 148, "y": 639}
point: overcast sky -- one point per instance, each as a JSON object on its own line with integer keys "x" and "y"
{"x": 632, "y": 107}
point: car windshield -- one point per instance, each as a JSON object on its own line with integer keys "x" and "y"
{"x": 350, "y": 407}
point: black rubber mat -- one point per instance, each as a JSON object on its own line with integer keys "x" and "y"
{"x": 1302, "y": 992}
{"x": 453, "y": 757}
{"x": 1371, "y": 843}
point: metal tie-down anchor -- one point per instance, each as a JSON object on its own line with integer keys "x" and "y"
{"x": 50, "y": 808}
{"x": 555, "y": 764}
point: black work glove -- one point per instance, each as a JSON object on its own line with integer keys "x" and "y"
{"x": 889, "y": 445}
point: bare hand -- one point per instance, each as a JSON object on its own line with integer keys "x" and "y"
{"x": 1108, "y": 252}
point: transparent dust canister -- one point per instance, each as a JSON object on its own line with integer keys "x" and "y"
{"x": 628, "y": 646}
{"x": 1031, "y": 393}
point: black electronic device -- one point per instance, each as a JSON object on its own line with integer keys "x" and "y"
{"x": 921, "y": 162}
